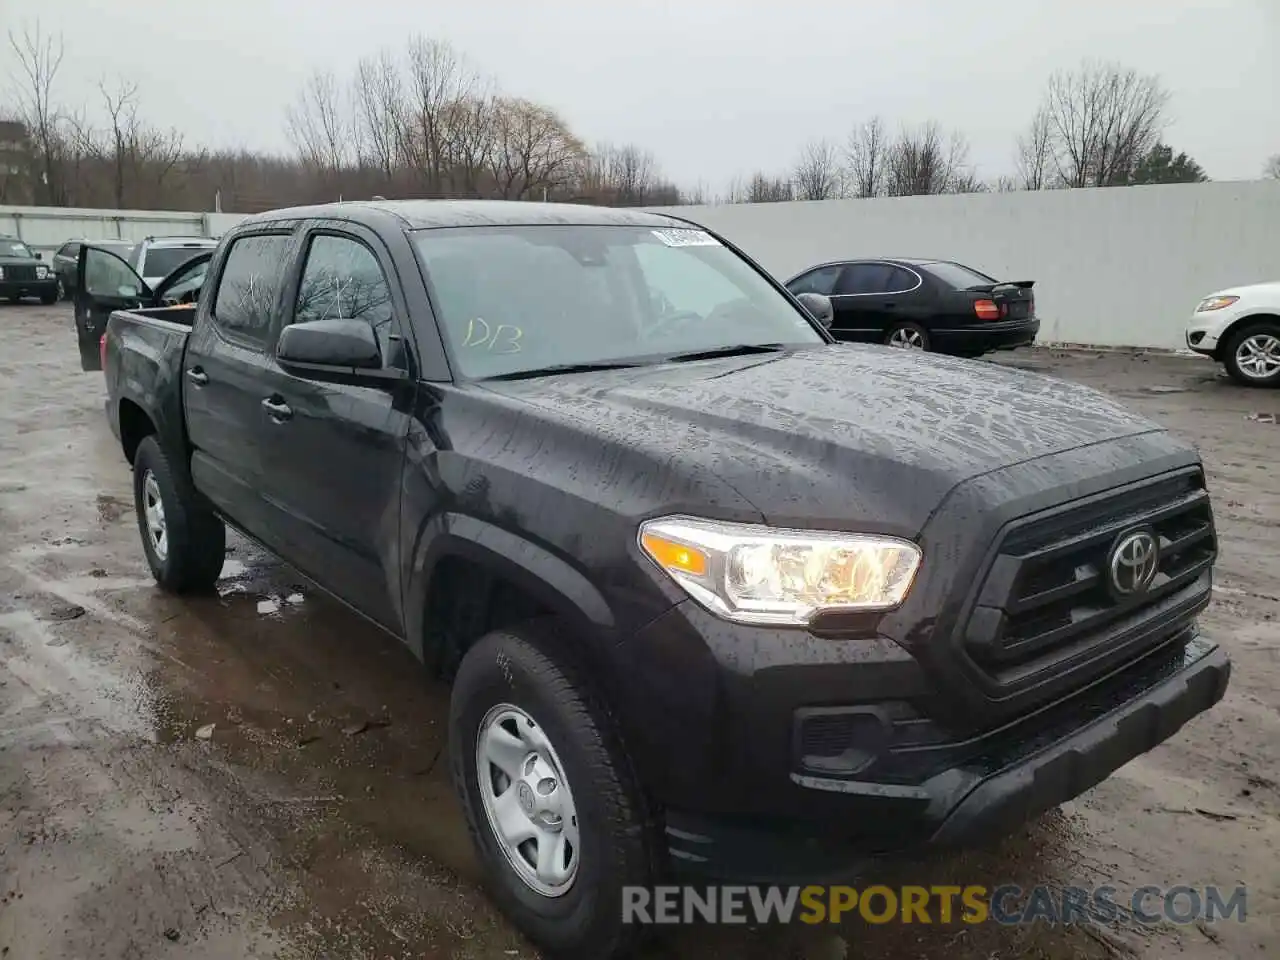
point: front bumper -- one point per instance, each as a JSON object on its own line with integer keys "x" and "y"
{"x": 1016, "y": 774}
{"x": 29, "y": 288}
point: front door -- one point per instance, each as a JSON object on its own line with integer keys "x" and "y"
{"x": 109, "y": 284}
{"x": 336, "y": 450}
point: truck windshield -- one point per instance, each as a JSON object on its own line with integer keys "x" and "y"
{"x": 16, "y": 248}
{"x": 521, "y": 298}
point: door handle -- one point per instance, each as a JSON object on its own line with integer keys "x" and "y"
{"x": 277, "y": 409}
{"x": 890, "y": 305}
{"x": 197, "y": 376}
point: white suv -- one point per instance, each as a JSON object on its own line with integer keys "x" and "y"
{"x": 1240, "y": 328}
{"x": 156, "y": 257}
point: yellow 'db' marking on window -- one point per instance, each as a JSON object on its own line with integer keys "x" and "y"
{"x": 504, "y": 338}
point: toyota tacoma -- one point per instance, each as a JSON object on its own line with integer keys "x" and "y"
{"x": 717, "y": 596}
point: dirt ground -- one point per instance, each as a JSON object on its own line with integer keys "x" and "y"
{"x": 317, "y": 819}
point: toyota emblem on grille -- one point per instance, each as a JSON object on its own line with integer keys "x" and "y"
{"x": 1134, "y": 563}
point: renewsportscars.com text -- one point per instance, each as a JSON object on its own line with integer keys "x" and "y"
{"x": 1008, "y": 904}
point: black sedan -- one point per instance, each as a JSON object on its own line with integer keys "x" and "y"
{"x": 921, "y": 304}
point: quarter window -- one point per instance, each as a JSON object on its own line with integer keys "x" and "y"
{"x": 250, "y": 281}
{"x": 343, "y": 281}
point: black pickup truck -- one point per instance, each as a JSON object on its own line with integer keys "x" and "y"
{"x": 717, "y": 596}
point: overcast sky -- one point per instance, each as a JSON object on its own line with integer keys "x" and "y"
{"x": 716, "y": 88}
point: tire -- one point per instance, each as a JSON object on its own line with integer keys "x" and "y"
{"x": 1245, "y": 352}
{"x": 188, "y": 553}
{"x": 49, "y": 298}
{"x": 582, "y": 920}
{"x": 907, "y": 335}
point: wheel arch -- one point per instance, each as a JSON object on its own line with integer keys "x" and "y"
{"x": 1238, "y": 324}
{"x": 469, "y": 576}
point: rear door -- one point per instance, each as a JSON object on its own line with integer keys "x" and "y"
{"x": 108, "y": 284}
{"x": 335, "y": 455}
{"x": 225, "y": 369}
{"x": 854, "y": 301}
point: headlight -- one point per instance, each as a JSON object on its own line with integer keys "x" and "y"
{"x": 1, "y": 273}
{"x": 42, "y": 273}
{"x": 1215, "y": 303}
{"x": 757, "y": 574}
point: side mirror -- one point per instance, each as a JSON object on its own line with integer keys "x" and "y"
{"x": 39, "y": 255}
{"x": 819, "y": 308}
{"x": 330, "y": 343}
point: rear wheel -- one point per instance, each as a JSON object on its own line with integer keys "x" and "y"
{"x": 1252, "y": 355}
{"x": 907, "y": 336}
{"x": 185, "y": 542}
{"x": 554, "y": 811}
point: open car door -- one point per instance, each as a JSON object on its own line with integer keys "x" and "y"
{"x": 107, "y": 283}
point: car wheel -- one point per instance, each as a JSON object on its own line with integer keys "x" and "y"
{"x": 48, "y": 298}
{"x": 560, "y": 824}
{"x": 1252, "y": 355}
{"x": 907, "y": 336}
{"x": 185, "y": 542}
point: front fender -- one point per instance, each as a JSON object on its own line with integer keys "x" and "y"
{"x": 541, "y": 574}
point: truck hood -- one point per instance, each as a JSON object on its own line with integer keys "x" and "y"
{"x": 844, "y": 434}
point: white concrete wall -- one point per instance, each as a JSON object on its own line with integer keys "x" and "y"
{"x": 1118, "y": 267}
{"x": 47, "y": 228}
{"x": 1114, "y": 267}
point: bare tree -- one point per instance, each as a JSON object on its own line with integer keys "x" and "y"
{"x": 817, "y": 175}
{"x": 867, "y": 154}
{"x": 134, "y": 153}
{"x": 1035, "y": 165}
{"x": 534, "y": 151}
{"x": 438, "y": 78}
{"x": 925, "y": 161}
{"x": 39, "y": 58}
{"x": 472, "y": 140}
{"x": 318, "y": 124}
{"x": 379, "y": 112}
{"x": 1272, "y": 169}
{"x": 762, "y": 188}
{"x": 1102, "y": 119}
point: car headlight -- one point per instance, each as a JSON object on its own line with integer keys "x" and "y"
{"x": 758, "y": 574}
{"x": 42, "y": 273}
{"x": 1, "y": 273}
{"x": 1215, "y": 303}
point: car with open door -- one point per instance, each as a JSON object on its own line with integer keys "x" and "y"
{"x": 109, "y": 283}
{"x": 917, "y": 304}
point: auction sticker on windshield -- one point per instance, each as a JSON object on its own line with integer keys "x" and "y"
{"x": 686, "y": 238}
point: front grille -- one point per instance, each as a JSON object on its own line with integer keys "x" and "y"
{"x": 20, "y": 273}
{"x": 1046, "y": 602}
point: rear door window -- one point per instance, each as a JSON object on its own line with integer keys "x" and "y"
{"x": 901, "y": 281}
{"x": 864, "y": 278}
{"x": 249, "y": 287}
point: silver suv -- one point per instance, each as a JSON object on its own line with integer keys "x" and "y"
{"x": 156, "y": 257}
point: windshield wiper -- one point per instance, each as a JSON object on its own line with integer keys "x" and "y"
{"x": 736, "y": 350}
{"x": 563, "y": 368}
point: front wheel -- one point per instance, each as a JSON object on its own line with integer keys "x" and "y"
{"x": 1252, "y": 355}
{"x": 907, "y": 336}
{"x": 554, "y": 812}
{"x": 185, "y": 542}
